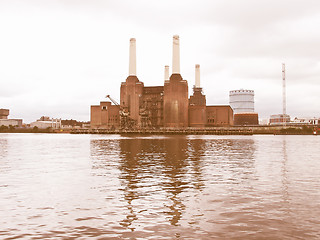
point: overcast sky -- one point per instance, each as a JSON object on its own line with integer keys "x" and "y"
{"x": 59, "y": 57}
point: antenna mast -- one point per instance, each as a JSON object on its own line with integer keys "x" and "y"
{"x": 284, "y": 110}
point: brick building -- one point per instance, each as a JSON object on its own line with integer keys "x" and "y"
{"x": 160, "y": 106}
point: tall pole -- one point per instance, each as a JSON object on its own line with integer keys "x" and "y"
{"x": 284, "y": 110}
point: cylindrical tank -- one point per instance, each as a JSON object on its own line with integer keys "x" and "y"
{"x": 241, "y": 100}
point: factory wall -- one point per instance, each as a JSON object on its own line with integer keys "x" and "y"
{"x": 152, "y": 111}
{"x": 197, "y": 109}
{"x": 243, "y": 119}
{"x": 130, "y": 96}
{"x": 219, "y": 116}
{"x": 151, "y": 108}
{"x": 197, "y": 116}
{"x": 105, "y": 115}
{"x": 175, "y": 102}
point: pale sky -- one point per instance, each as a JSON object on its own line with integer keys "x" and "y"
{"x": 59, "y": 57}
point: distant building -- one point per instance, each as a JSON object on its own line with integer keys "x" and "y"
{"x": 105, "y": 115}
{"x": 241, "y": 100}
{"x": 279, "y": 119}
{"x": 4, "y": 121}
{"x": 306, "y": 121}
{"x": 46, "y": 122}
{"x": 246, "y": 119}
{"x": 4, "y": 113}
{"x": 242, "y": 103}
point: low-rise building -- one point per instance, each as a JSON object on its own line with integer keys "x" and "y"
{"x": 46, "y": 122}
{"x": 279, "y": 119}
{"x": 4, "y": 121}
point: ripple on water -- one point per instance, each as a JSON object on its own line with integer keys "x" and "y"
{"x": 159, "y": 187}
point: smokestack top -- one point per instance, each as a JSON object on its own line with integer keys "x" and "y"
{"x": 197, "y": 76}
{"x": 132, "y": 58}
{"x": 166, "y": 73}
{"x": 176, "y": 55}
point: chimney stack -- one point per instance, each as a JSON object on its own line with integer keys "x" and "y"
{"x": 176, "y": 55}
{"x": 132, "y": 58}
{"x": 197, "y": 82}
{"x": 166, "y": 73}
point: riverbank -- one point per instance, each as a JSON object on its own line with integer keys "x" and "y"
{"x": 245, "y": 130}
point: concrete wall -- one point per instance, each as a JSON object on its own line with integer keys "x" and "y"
{"x": 12, "y": 122}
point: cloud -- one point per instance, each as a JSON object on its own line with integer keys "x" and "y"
{"x": 63, "y": 56}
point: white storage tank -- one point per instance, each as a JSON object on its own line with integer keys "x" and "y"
{"x": 241, "y": 100}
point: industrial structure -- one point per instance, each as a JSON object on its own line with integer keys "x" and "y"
{"x": 284, "y": 118}
{"x": 166, "y": 106}
{"x": 242, "y": 103}
{"x": 4, "y": 121}
{"x": 47, "y": 122}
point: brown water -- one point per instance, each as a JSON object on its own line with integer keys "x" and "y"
{"x": 159, "y": 187}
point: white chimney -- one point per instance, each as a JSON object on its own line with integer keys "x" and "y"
{"x": 197, "y": 83}
{"x": 132, "y": 58}
{"x": 176, "y": 55}
{"x": 166, "y": 73}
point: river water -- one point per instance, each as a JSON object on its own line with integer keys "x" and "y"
{"x": 61, "y": 186}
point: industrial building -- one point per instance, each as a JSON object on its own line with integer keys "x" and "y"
{"x": 47, "y": 122}
{"x": 242, "y": 103}
{"x": 166, "y": 106}
{"x": 4, "y": 121}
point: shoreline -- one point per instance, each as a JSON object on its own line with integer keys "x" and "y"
{"x": 243, "y": 130}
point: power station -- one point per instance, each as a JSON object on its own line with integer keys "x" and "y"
{"x": 166, "y": 106}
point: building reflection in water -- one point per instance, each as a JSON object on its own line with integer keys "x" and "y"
{"x": 3, "y": 147}
{"x": 162, "y": 162}
{"x": 285, "y": 181}
{"x": 3, "y": 154}
{"x": 158, "y": 174}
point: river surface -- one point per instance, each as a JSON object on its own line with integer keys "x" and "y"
{"x": 62, "y": 186}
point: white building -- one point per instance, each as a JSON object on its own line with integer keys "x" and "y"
{"x": 242, "y": 101}
{"x": 11, "y": 122}
{"x": 54, "y": 123}
{"x": 308, "y": 121}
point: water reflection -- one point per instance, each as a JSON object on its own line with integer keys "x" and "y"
{"x": 159, "y": 175}
{"x": 3, "y": 147}
{"x": 284, "y": 180}
{"x": 159, "y": 187}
